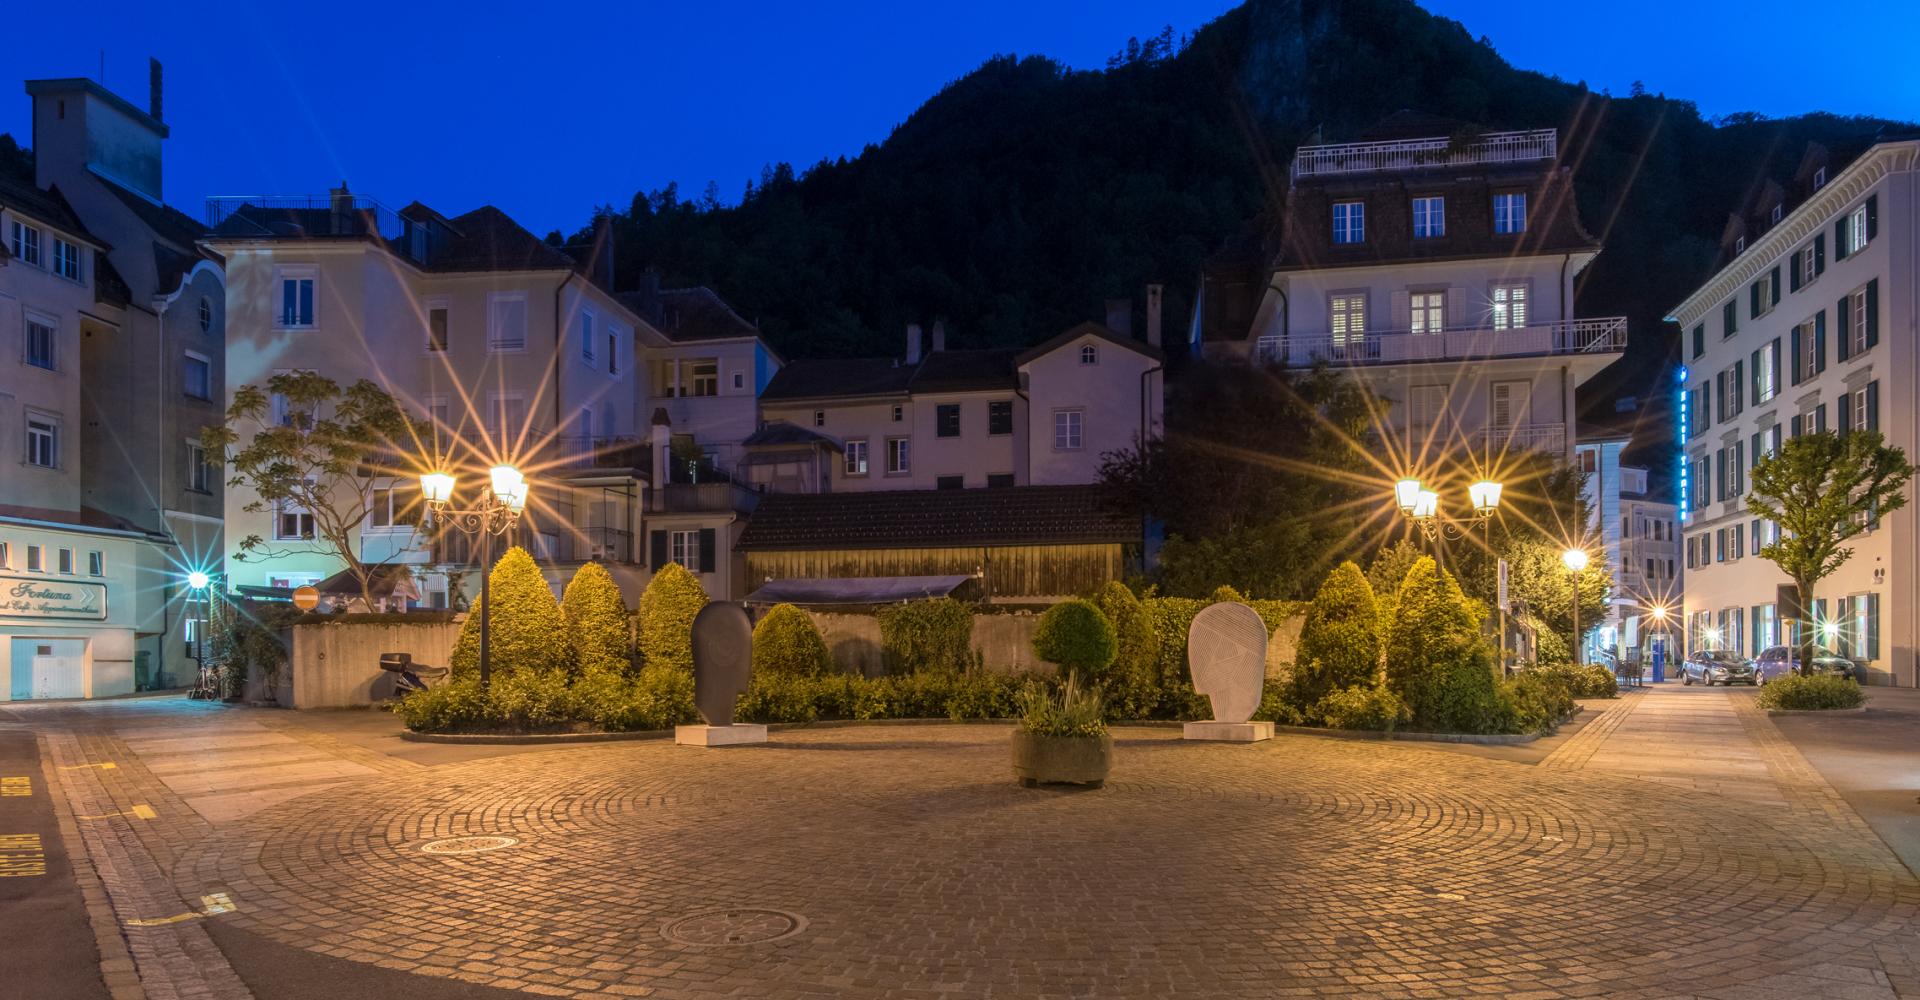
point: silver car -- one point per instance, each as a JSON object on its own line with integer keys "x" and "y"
{"x": 1717, "y": 666}
{"x": 1778, "y": 661}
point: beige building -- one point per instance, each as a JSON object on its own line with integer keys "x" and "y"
{"x": 1439, "y": 271}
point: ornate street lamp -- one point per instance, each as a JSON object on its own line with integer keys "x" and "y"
{"x": 1422, "y": 506}
{"x": 499, "y": 509}
{"x": 1576, "y": 562}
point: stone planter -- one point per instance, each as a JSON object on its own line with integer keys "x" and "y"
{"x": 1073, "y": 760}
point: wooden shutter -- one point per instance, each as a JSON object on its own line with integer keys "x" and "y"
{"x": 1846, "y": 413}
{"x": 708, "y": 538}
{"x": 1795, "y": 363}
{"x": 1706, "y": 405}
{"x": 1873, "y": 405}
{"x": 1873, "y": 312}
{"x": 1793, "y": 273}
{"x": 1729, "y": 315}
{"x": 1840, "y": 238}
{"x": 1773, "y": 285}
{"x": 1402, "y": 310}
{"x": 657, "y": 549}
{"x": 1456, "y": 308}
{"x": 1873, "y": 216}
{"x": 1819, "y": 342}
{"x": 1819, "y": 254}
{"x": 1843, "y": 326}
{"x": 1797, "y": 426}
{"x": 1753, "y": 299}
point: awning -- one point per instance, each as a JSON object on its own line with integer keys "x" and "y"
{"x": 857, "y": 590}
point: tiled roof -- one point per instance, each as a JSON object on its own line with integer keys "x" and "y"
{"x": 1087, "y": 330}
{"x": 816, "y": 378}
{"x": 688, "y": 314}
{"x": 488, "y": 239}
{"x": 48, "y": 206}
{"x": 961, "y": 371}
{"x": 170, "y": 224}
{"x": 783, "y": 432}
{"x": 1011, "y": 515}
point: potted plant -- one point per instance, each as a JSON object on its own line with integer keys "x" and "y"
{"x": 1062, "y": 738}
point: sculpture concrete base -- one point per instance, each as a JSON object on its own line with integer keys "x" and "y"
{"x": 1227, "y": 732}
{"x": 735, "y": 735}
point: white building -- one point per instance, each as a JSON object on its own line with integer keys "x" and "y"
{"x": 1810, "y": 316}
{"x": 1438, "y": 270}
{"x": 1632, "y": 526}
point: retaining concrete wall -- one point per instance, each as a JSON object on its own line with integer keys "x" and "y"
{"x": 337, "y": 664}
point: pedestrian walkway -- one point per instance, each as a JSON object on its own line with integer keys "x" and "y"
{"x": 1691, "y": 738}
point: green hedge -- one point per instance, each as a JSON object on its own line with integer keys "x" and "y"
{"x": 786, "y": 641}
{"x": 667, "y": 609}
{"x": 1370, "y": 707}
{"x": 597, "y": 622}
{"x": 528, "y": 702}
{"x": 926, "y": 635}
{"x": 1132, "y": 683}
{"x": 528, "y": 630}
{"x": 1340, "y": 641}
{"x": 1587, "y": 681}
{"x": 1821, "y": 692}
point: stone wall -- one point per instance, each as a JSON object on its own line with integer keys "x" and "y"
{"x": 337, "y": 664}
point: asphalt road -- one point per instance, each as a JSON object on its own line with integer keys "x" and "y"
{"x": 46, "y": 945}
{"x": 1869, "y": 759}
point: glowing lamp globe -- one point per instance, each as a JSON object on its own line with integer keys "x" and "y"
{"x": 1485, "y": 495}
{"x": 436, "y": 487}
{"x": 1427, "y": 504}
{"x": 198, "y": 580}
{"x": 508, "y": 481}
{"x": 1406, "y": 493}
{"x": 1576, "y": 559}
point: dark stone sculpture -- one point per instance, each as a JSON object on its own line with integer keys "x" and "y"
{"x": 722, "y": 659}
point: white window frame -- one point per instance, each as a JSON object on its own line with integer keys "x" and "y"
{"x": 587, "y": 346}
{"x": 206, "y": 364}
{"x": 855, "y": 460}
{"x": 287, "y": 273}
{"x": 26, "y": 244}
{"x": 1856, "y": 332}
{"x": 63, "y": 562}
{"x": 683, "y": 547}
{"x": 66, "y": 260}
{"x": 43, "y": 426}
{"x": 691, "y": 383}
{"x": 1507, "y": 302}
{"x": 36, "y": 559}
{"x": 899, "y": 456}
{"x": 1510, "y": 212}
{"x": 1089, "y": 354}
{"x": 1807, "y": 273}
{"x": 899, "y": 413}
{"x": 206, "y": 314}
{"x": 1429, "y": 217}
{"x": 498, "y": 339}
{"x": 291, "y": 508}
{"x": 52, "y": 326}
{"x": 1778, "y": 211}
{"x": 1857, "y": 230}
{"x": 444, "y": 307}
{"x": 1349, "y": 223}
{"x": 739, "y": 381}
{"x": 1427, "y": 311}
{"x": 1070, "y": 429}
{"x": 1347, "y": 317}
{"x": 199, "y": 473}
{"x": 96, "y": 563}
{"x": 385, "y": 507}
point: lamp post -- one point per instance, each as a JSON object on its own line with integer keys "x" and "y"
{"x": 1422, "y": 506}
{"x": 499, "y": 509}
{"x": 1576, "y": 561}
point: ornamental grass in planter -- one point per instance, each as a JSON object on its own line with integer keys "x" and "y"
{"x": 1062, "y": 738}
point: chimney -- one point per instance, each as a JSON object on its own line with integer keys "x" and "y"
{"x": 153, "y": 89}
{"x": 1120, "y": 316}
{"x": 913, "y": 343}
{"x": 939, "y": 335}
{"x": 1153, "y": 315}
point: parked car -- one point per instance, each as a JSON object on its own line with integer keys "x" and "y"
{"x": 1779, "y": 661}
{"x": 1717, "y": 666}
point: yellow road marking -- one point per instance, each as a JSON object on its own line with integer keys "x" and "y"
{"x": 210, "y": 905}
{"x": 21, "y": 855}
{"x": 139, "y": 811}
{"x": 108, "y": 766}
{"x": 15, "y": 786}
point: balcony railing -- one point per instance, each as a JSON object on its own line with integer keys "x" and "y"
{"x": 1578, "y": 336}
{"x": 1522, "y": 437}
{"x": 1412, "y": 154}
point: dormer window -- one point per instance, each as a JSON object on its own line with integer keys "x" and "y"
{"x": 1739, "y": 244}
{"x": 26, "y": 243}
{"x": 66, "y": 259}
{"x": 1778, "y": 211}
{"x": 1349, "y": 222}
{"x": 1089, "y": 355}
{"x": 1429, "y": 217}
{"x": 1510, "y": 212}
{"x": 1819, "y": 178}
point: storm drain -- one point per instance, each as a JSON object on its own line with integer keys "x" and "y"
{"x": 735, "y": 926}
{"x": 467, "y": 845}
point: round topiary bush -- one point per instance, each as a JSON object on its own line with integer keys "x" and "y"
{"x": 1340, "y": 642}
{"x": 927, "y": 635}
{"x": 1076, "y": 637}
{"x": 786, "y": 644}
{"x": 529, "y": 632}
{"x": 1436, "y": 659}
{"x": 597, "y": 622}
{"x": 1802, "y": 693}
{"x": 667, "y": 608}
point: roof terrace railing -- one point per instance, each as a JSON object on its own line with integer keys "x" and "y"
{"x": 1606, "y": 335}
{"x": 1412, "y": 154}
{"x": 300, "y": 216}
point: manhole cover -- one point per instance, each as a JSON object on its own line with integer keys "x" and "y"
{"x": 467, "y": 845}
{"x": 736, "y": 926}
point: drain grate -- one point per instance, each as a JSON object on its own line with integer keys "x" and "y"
{"x": 736, "y": 926}
{"x": 467, "y": 845}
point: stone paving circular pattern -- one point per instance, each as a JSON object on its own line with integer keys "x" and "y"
{"x": 914, "y": 866}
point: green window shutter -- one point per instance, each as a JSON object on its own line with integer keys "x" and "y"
{"x": 1873, "y": 312}
{"x": 1753, "y": 300}
{"x": 1729, "y": 313}
{"x": 1793, "y": 273}
{"x": 1873, "y": 405}
{"x": 657, "y": 545}
{"x": 1873, "y": 626}
{"x": 1798, "y": 428}
{"x": 1699, "y": 339}
{"x": 1794, "y": 365}
{"x": 1706, "y": 405}
{"x": 1753, "y": 376}
{"x": 1873, "y": 216}
{"x": 1841, "y": 326}
{"x": 708, "y": 550}
{"x": 1846, "y": 413}
{"x": 1840, "y": 238}
{"x": 1773, "y": 286}
{"x": 1819, "y": 342}
{"x": 1820, "y": 419}
{"x": 1819, "y": 253}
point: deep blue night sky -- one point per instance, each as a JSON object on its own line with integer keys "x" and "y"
{"x": 546, "y": 114}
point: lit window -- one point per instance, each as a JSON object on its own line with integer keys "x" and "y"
{"x": 1429, "y": 310}
{"x": 1510, "y": 212}
{"x": 1349, "y": 222}
{"x": 1429, "y": 217}
{"x": 1509, "y": 306}
{"x": 1349, "y": 314}
{"x": 1068, "y": 428}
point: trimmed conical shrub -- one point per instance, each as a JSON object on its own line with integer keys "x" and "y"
{"x": 1133, "y": 681}
{"x": 786, "y": 643}
{"x": 1076, "y": 637}
{"x": 597, "y": 622}
{"x": 528, "y": 630}
{"x": 667, "y": 608}
{"x": 1437, "y": 661}
{"x": 1340, "y": 641}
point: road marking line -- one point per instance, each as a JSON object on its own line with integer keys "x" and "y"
{"x": 10, "y": 786}
{"x": 139, "y": 811}
{"x": 21, "y": 855}
{"x": 211, "y": 905}
{"x": 108, "y": 766}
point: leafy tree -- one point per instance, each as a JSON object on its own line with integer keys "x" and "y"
{"x": 786, "y": 642}
{"x": 1075, "y": 636}
{"x": 1822, "y": 490}
{"x": 528, "y": 629}
{"x": 1340, "y": 641}
{"x": 667, "y": 609}
{"x": 334, "y": 447}
{"x": 597, "y": 622}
